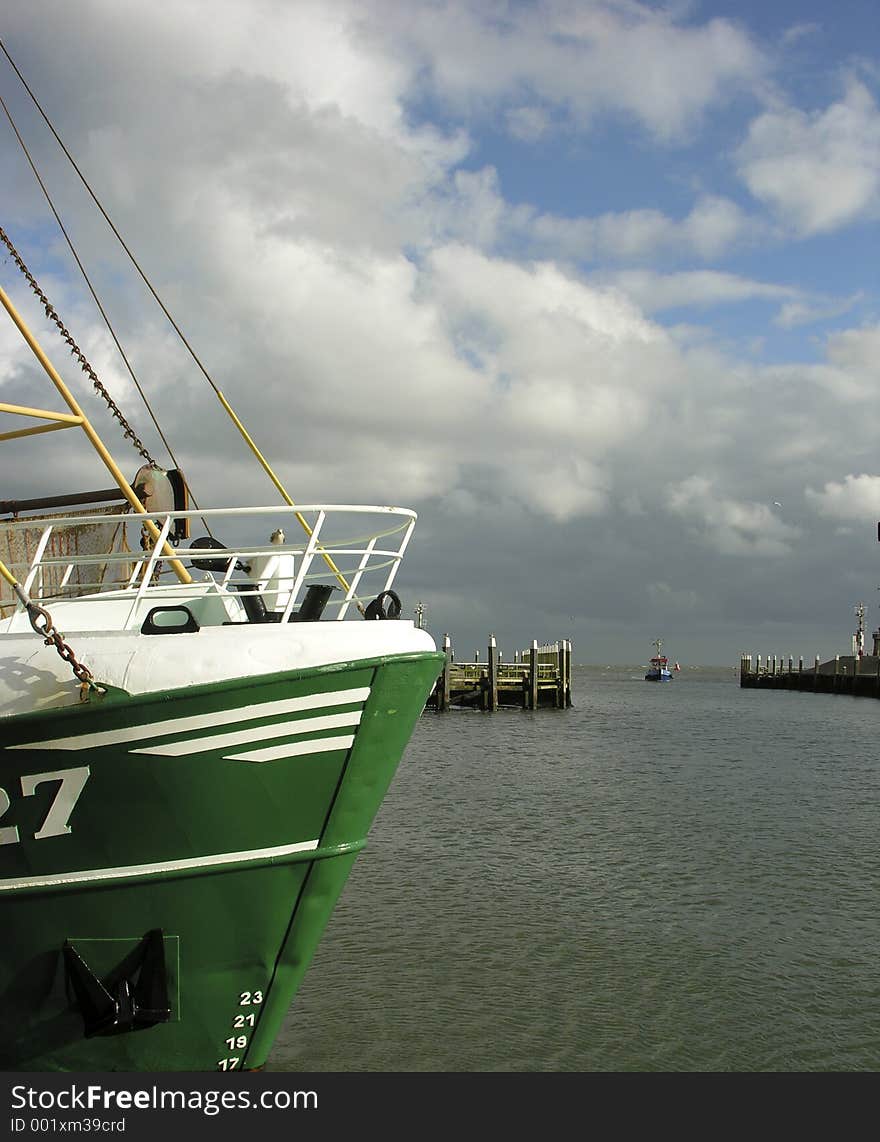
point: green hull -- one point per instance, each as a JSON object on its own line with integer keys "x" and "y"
{"x": 213, "y": 826}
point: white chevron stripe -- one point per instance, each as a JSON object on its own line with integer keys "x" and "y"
{"x": 202, "y": 721}
{"x": 293, "y": 749}
{"x": 62, "y": 878}
{"x": 254, "y": 734}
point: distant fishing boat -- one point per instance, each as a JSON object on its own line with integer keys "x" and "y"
{"x": 658, "y": 668}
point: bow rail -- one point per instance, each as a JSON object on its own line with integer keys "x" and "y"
{"x": 123, "y": 555}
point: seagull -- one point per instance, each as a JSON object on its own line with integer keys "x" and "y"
{"x": 777, "y": 504}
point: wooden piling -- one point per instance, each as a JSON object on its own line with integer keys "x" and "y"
{"x": 493, "y": 674}
{"x": 443, "y": 682}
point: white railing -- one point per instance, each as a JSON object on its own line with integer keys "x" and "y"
{"x": 356, "y": 549}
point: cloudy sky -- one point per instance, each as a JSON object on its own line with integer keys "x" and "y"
{"x": 591, "y": 284}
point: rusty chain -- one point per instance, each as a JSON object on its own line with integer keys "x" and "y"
{"x": 51, "y": 637}
{"x": 75, "y": 350}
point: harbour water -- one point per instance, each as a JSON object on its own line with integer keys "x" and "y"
{"x": 666, "y": 877}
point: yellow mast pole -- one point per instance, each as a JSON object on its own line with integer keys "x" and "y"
{"x": 278, "y": 485}
{"x": 167, "y": 550}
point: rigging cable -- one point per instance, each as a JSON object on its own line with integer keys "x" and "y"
{"x": 52, "y": 314}
{"x": 75, "y": 350}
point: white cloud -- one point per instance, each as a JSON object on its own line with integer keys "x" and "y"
{"x": 850, "y": 374}
{"x": 728, "y": 525}
{"x": 654, "y": 292}
{"x": 365, "y": 58}
{"x": 806, "y": 311}
{"x": 563, "y": 361}
{"x": 472, "y": 210}
{"x": 857, "y": 351}
{"x": 528, "y": 123}
{"x": 389, "y": 326}
{"x": 640, "y": 61}
{"x": 796, "y": 32}
{"x": 818, "y": 170}
{"x": 567, "y": 489}
{"x": 712, "y": 227}
{"x": 856, "y": 498}
{"x": 315, "y": 52}
{"x": 581, "y": 59}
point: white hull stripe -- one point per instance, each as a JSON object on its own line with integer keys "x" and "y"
{"x": 293, "y": 749}
{"x": 202, "y": 721}
{"x": 95, "y": 874}
{"x": 254, "y": 734}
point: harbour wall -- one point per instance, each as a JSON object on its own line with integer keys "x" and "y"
{"x": 856, "y": 675}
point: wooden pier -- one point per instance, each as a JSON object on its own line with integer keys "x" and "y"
{"x": 538, "y": 678}
{"x": 858, "y": 675}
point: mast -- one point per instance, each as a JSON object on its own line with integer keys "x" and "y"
{"x": 859, "y": 636}
{"x": 78, "y": 418}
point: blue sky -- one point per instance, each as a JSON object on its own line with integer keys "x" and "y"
{"x": 591, "y": 285}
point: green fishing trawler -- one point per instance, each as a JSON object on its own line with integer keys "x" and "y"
{"x": 189, "y": 771}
